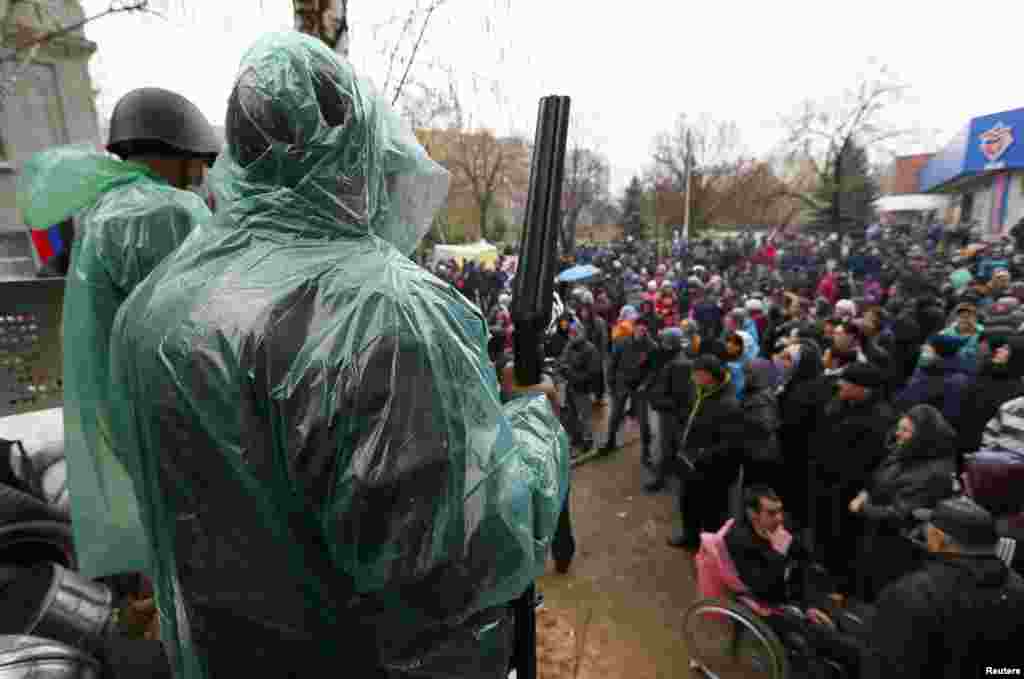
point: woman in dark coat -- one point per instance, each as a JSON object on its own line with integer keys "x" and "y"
{"x": 917, "y": 474}
{"x": 762, "y": 460}
{"x": 800, "y": 407}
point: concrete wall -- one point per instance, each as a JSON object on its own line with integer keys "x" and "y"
{"x": 51, "y": 104}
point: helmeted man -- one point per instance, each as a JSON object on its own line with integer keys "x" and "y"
{"x": 130, "y": 215}
{"x": 325, "y": 468}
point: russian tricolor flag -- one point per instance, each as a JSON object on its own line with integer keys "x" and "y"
{"x": 48, "y": 243}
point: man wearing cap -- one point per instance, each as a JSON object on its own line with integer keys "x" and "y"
{"x": 847, "y": 446}
{"x": 962, "y": 615}
{"x": 967, "y": 327}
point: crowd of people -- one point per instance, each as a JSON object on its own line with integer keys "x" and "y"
{"x": 847, "y": 377}
{"x": 240, "y": 427}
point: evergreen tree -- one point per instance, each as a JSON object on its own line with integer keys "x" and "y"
{"x": 632, "y": 209}
{"x": 850, "y": 182}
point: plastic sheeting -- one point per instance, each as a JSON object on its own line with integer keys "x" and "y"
{"x": 324, "y": 465}
{"x": 122, "y": 235}
{"x": 57, "y": 183}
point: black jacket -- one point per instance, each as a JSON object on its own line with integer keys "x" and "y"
{"x": 801, "y": 400}
{"x": 582, "y": 363}
{"x": 762, "y": 569}
{"x": 915, "y": 476}
{"x": 950, "y": 620}
{"x": 713, "y": 429}
{"x": 555, "y": 344}
{"x": 849, "y": 444}
{"x": 631, "y": 361}
{"x": 671, "y": 387}
{"x": 761, "y": 420}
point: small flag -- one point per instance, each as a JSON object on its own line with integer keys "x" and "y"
{"x": 48, "y": 243}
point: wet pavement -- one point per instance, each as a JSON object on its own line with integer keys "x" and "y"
{"x": 618, "y": 612}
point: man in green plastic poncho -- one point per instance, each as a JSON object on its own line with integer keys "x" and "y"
{"x": 323, "y": 464}
{"x": 129, "y": 215}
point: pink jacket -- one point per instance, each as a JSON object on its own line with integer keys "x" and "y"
{"x": 716, "y": 573}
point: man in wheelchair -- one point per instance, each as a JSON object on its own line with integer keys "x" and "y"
{"x": 776, "y": 570}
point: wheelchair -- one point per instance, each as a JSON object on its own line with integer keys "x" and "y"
{"x": 729, "y": 637}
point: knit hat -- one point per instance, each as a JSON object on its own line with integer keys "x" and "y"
{"x": 846, "y": 307}
{"x": 628, "y": 313}
{"x": 863, "y": 375}
{"x": 710, "y": 364}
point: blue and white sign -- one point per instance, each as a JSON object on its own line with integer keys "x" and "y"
{"x": 989, "y": 143}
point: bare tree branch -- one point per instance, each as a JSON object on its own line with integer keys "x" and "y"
{"x": 415, "y": 48}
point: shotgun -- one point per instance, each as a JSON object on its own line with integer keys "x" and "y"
{"x": 531, "y": 303}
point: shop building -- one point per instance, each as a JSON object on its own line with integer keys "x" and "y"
{"x": 982, "y": 171}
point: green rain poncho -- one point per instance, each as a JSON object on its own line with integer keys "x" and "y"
{"x": 324, "y": 466}
{"x": 128, "y": 220}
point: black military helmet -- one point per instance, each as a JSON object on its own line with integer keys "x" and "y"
{"x": 151, "y": 119}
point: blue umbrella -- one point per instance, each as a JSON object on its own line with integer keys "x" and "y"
{"x": 578, "y": 273}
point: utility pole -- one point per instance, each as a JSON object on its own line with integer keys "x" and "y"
{"x": 689, "y": 171}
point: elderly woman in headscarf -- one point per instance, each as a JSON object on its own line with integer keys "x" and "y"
{"x": 917, "y": 473}
{"x": 799, "y": 407}
{"x": 762, "y": 463}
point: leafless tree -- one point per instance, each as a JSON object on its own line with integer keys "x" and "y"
{"x": 486, "y": 168}
{"x": 819, "y": 129}
{"x": 586, "y": 183}
{"x": 823, "y": 131}
{"x": 718, "y": 159}
{"x": 26, "y": 43}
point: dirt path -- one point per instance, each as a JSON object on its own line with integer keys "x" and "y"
{"x": 624, "y": 596}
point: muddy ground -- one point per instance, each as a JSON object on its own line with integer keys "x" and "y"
{"x": 620, "y": 607}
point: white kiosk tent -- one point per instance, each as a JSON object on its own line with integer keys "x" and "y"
{"x": 481, "y": 252}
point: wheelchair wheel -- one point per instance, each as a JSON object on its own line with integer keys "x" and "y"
{"x": 728, "y": 640}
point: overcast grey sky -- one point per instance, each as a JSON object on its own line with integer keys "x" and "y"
{"x": 629, "y": 67}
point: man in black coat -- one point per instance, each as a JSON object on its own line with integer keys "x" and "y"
{"x": 960, "y": 615}
{"x": 668, "y": 394}
{"x": 846, "y": 449}
{"x": 581, "y": 363}
{"x": 631, "y": 364}
{"x": 712, "y": 450}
